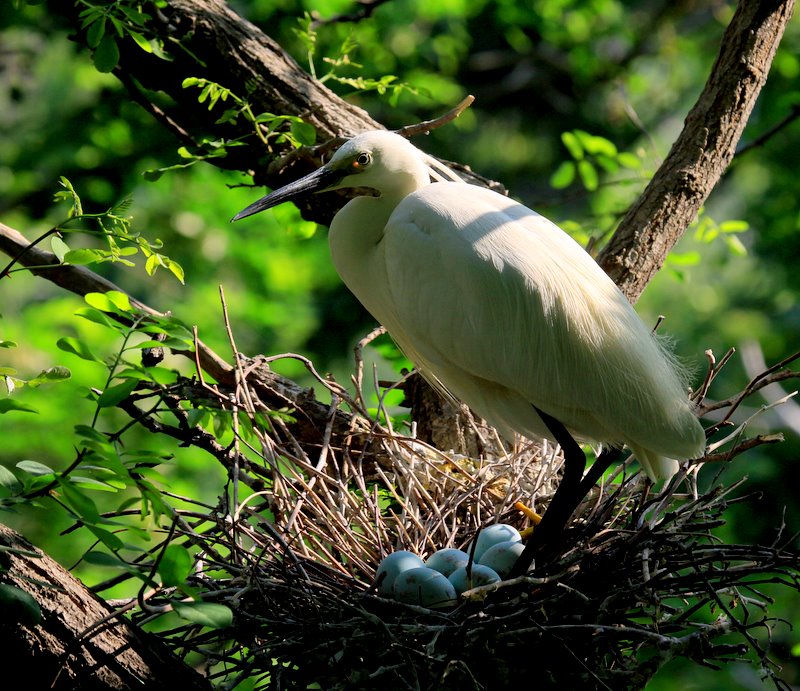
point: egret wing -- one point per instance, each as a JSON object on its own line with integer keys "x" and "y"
{"x": 506, "y": 311}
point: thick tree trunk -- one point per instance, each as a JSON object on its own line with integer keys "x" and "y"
{"x": 71, "y": 646}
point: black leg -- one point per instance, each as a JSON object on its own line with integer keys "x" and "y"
{"x": 572, "y": 488}
{"x": 564, "y": 502}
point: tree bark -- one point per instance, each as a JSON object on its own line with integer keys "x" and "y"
{"x": 64, "y": 650}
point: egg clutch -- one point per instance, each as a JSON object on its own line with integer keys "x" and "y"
{"x": 438, "y": 582}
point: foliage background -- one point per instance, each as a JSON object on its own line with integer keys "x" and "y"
{"x": 626, "y": 72}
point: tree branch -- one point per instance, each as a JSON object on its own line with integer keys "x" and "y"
{"x": 225, "y": 48}
{"x": 702, "y": 152}
{"x": 56, "y": 653}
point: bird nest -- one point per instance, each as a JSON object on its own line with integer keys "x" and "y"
{"x": 639, "y": 579}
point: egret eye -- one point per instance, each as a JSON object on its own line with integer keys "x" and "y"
{"x": 362, "y": 160}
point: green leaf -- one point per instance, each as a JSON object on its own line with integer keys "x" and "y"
{"x": 174, "y": 268}
{"x": 629, "y": 160}
{"x": 734, "y": 226}
{"x": 175, "y": 565}
{"x": 112, "y": 301}
{"x": 104, "y": 559}
{"x": 141, "y": 41}
{"x": 735, "y": 245}
{"x": 96, "y": 31}
{"x": 106, "y": 55}
{"x": 608, "y": 164}
{"x": 114, "y": 394}
{"x": 85, "y": 256}
{"x": 563, "y": 175}
{"x": 51, "y": 374}
{"x": 9, "y": 404}
{"x": 596, "y": 145}
{"x": 206, "y": 613}
{"x": 19, "y": 606}
{"x": 80, "y": 503}
{"x": 59, "y": 247}
{"x": 304, "y": 133}
{"x": 70, "y": 344}
{"x": 573, "y": 145}
{"x": 8, "y": 479}
{"x": 684, "y": 258}
{"x": 35, "y": 468}
{"x": 152, "y": 263}
{"x": 91, "y": 433}
{"x": 8, "y": 344}
{"x": 588, "y": 175}
{"x": 94, "y": 315}
{"x": 108, "y": 539}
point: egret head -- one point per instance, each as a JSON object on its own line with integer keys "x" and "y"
{"x": 378, "y": 160}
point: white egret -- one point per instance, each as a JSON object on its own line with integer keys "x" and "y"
{"x": 498, "y": 307}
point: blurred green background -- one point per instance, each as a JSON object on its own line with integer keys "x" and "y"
{"x": 626, "y": 72}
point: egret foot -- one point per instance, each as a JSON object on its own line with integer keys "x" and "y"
{"x": 532, "y": 516}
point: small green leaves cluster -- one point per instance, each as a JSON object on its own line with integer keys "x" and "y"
{"x": 107, "y": 22}
{"x": 707, "y": 231}
{"x": 386, "y": 84}
{"x": 103, "y": 464}
{"x": 590, "y": 154}
{"x": 113, "y": 227}
{"x": 270, "y": 129}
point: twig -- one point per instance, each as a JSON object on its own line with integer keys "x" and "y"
{"x": 427, "y": 126}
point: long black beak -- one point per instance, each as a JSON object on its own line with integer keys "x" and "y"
{"x": 318, "y": 181}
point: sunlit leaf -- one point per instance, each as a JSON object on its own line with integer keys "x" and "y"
{"x": 141, "y": 41}
{"x": 563, "y": 176}
{"x": 50, "y": 375}
{"x": 59, "y": 247}
{"x": 94, "y": 315}
{"x": 117, "y": 393}
{"x": 573, "y": 145}
{"x": 630, "y": 161}
{"x": 111, "y": 301}
{"x": 82, "y": 257}
{"x": 35, "y": 468}
{"x": 734, "y": 226}
{"x": 588, "y": 175}
{"x": 70, "y": 344}
{"x": 684, "y": 258}
{"x": 735, "y": 245}
{"x": 9, "y": 404}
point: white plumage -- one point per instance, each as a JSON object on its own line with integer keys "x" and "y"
{"x": 499, "y": 307}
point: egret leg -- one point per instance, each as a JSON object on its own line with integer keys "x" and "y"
{"x": 572, "y": 488}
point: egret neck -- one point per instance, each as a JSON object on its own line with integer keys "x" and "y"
{"x": 357, "y": 230}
